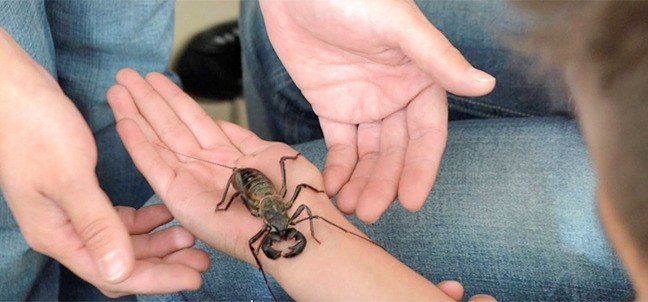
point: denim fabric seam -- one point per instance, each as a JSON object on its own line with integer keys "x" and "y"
{"x": 472, "y": 111}
{"x": 486, "y": 105}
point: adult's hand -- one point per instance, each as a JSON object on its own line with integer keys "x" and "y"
{"x": 47, "y": 174}
{"x": 165, "y": 260}
{"x": 376, "y": 73}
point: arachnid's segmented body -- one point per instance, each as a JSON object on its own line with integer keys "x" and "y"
{"x": 254, "y": 185}
{"x": 263, "y": 200}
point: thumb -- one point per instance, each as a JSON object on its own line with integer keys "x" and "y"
{"x": 431, "y": 51}
{"x": 102, "y": 233}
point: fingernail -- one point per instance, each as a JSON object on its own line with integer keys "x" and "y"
{"x": 479, "y": 75}
{"x": 112, "y": 265}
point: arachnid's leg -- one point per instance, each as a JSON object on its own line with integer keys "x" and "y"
{"x": 254, "y": 239}
{"x": 311, "y": 217}
{"x": 229, "y": 183}
{"x": 282, "y": 164}
{"x": 297, "y": 190}
{"x": 236, "y": 194}
{"x": 255, "y": 253}
{"x": 300, "y": 209}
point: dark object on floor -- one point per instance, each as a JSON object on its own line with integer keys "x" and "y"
{"x": 210, "y": 64}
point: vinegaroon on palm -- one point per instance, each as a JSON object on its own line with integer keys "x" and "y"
{"x": 261, "y": 198}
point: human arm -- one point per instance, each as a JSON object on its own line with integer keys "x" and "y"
{"x": 152, "y": 112}
{"x": 47, "y": 175}
{"x": 376, "y": 74}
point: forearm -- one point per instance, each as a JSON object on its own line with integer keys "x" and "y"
{"x": 345, "y": 267}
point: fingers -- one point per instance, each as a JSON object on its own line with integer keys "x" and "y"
{"x": 368, "y": 152}
{"x": 156, "y": 111}
{"x": 166, "y": 114}
{"x": 452, "y": 288}
{"x": 123, "y": 107}
{"x": 374, "y": 183}
{"x": 156, "y": 277}
{"x": 191, "y": 257}
{"x": 431, "y": 50}
{"x": 201, "y": 125}
{"x": 146, "y": 157}
{"x": 399, "y": 156}
{"x": 427, "y": 123}
{"x": 145, "y": 219}
{"x": 171, "y": 246}
{"x": 243, "y": 139}
{"x": 382, "y": 186}
{"x": 162, "y": 243}
{"x": 342, "y": 156}
{"x": 101, "y": 232}
{"x": 482, "y": 298}
{"x": 163, "y": 257}
{"x": 140, "y": 222}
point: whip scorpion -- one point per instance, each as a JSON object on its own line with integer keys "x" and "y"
{"x": 263, "y": 200}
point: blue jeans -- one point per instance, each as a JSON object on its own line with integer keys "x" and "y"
{"x": 512, "y": 214}
{"x": 82, "y": 44}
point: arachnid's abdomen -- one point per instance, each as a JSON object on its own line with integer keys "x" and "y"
{"x": 254, "y": 184}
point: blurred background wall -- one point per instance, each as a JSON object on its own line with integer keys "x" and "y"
{"x": 192, "y": 17}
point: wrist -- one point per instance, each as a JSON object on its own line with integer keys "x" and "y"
{"x": 343, "y": 266}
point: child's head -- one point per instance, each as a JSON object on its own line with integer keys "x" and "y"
{"x": 602, "y": 47}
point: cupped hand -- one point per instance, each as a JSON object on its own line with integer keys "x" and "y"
{"x": 376, "y": 73}
{"x": 165, "y": 260}
{"x": 47, "y": 174}
{"x": 180, "y": 150}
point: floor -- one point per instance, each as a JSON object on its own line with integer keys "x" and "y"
{"x": 193, "y": 16}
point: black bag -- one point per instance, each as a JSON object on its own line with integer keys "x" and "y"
{"x": 210, "y": 64}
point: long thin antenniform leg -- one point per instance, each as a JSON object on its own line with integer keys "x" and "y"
{"x": 255, "y": 253}
{"x": 282, "y": 164}
{"x": 311, "y": 217}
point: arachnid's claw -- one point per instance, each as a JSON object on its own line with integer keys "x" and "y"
{"x": 299, "y": 245}
{"x": 266, "y": 245}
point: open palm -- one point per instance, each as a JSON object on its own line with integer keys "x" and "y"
{"x": 376, "y": 73}
{"x": 154, "y": 117}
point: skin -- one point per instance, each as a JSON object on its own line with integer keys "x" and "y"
{"x": 370, "y": 78}
{"x": 47, "y": 166}
{"x": 103, "y": 251}
{"x": 597, "y": 118}
{"x": 624, "y": 246}
{"x": 152, "y": 111}
{"x": 379, "y": 92}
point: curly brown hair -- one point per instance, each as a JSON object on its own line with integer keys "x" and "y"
{"x": 606, "y": 42}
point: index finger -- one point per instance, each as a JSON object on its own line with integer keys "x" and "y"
{"x": 203, "y": 127}
{"x": 243, "y": 139}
